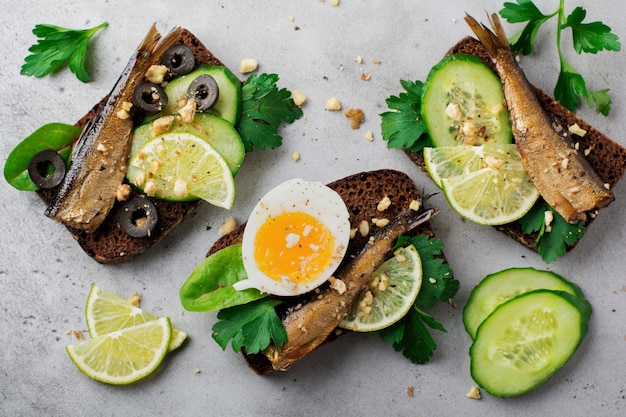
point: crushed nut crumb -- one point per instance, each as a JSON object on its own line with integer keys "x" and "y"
{"x": 410, "y": 391}
{"x": 380, "y": 222}
{"x": 295, "y": 156}
{"x": 162, "y": 125}
{"x": 188, "y": 111}
{"x": 577, "y": 130}
{"x": 364, "y": 228}
{"x": 156, "y": 74}
{"x": 384, "y": 204}
{"x": 78, "y": 335}
{"x": 248, "y": 65}
{"x": 337, "y": 285}
{"x": 474, "y": 393}
{"x": 366, "y": 76}
{"x": 358, "y": 59}
{"x": 298, "y": 97}
{"x": 122, "y": 192}
{"x": 355, "y": 116}
{"x": 369, "y": 136}
{"x": 228, "y": 226}
{"x": 415, "y": 205}
{"x": 333, "y": 104}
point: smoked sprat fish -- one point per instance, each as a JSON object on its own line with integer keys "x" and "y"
{"x": 99, "y": 160}
{"x": 309, "y": 326}
{"x": 562, "y": 176}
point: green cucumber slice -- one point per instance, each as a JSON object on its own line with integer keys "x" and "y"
{"x": 526, "y": 340}
{"x": 463, "y": 103}
{"x": 500, "y": 287}
{"x": 215, "y": 130}
{"x": 228, "y": 104}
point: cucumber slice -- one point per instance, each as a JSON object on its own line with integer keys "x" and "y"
{"x": 526, "y": 340}
{"x": 228, "y": 104}
{"x": 463, "y": 103}
{"x": 215, "y": 130}
{"x": 501, "y": 286}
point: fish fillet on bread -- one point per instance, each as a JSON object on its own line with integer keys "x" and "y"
{"x": 109, "y": 243}
{"x": 605, "y": 156}
{"x": 361, "y": 193}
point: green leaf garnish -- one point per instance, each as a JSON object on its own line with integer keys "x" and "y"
{"x": 210, "y": 285}
{"x": 264, "y": 108}
{"x": 403, "y": 127}
{"x": 251, "y": 326}
{"x": 56, "y": 47}
{"x": 410, "y": 335}
{"x": 553, "y": 240}
{"x": 56, "y": 136}
{"x": 591, "y": 37}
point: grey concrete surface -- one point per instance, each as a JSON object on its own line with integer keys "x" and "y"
{"x": 45, "y": 277}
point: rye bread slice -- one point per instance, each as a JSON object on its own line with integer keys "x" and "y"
{"x": 606, "y": 157}
{"x": 361, "y": 192}
{"x": 109, "y": 243}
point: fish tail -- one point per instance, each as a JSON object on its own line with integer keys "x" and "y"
{"x": 492, "y": 40}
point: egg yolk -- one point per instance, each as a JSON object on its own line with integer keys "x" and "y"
{"x": 293, "y": 245}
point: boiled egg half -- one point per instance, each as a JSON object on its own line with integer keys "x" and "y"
{"x": 295, "y": 238}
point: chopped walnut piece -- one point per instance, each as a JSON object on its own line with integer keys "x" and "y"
{"x": 188, "y": 111}
{"x": 134, "y": 299}
{"x": 356, "y": 117}
{"x": 248, "y": 65}
{"x": 337, "y": 285}
{"x": 228, "y": 226}
{"x": 122, "y": 192}
{"x": 333, "y": 104}
{"x": 383, "y": 204}
{"x": 295, "y": 156}
{"x": 298, "y": 97}
{"x": 366, "y": 76}
{"x": 410, "y": 391}
{"x": 577, "y": 130}
{"x": 369, "y": 136}
{"x": 79, "y": 335}
{"x": 415, "y": 205}
{"x": 156, "y": 74}
{"x": 474, "y": 393}
{"x": 162, "y": 125}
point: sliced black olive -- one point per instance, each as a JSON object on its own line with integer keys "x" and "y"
{"x": 138, "y": 217}
{"x": 47, "y": 169}
{"x": 204, "y": 90}
{"x": 149, "y": 98}
{"x": 179, "y": 59}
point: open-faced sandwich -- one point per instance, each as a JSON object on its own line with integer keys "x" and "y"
{"x": 173, "y": 132}
{"x": 315, "y": 260}
{"x": 504, "y": 153}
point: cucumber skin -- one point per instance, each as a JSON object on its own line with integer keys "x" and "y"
{"x": 584, "y": 308}
{"x": 429, "y": 81}
{"x": 471, "y": 300}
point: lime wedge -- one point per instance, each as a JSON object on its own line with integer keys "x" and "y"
{"x": 485, "y": 184}
{"x": 181, "y": 167}
{"x": 123, "y": 356}
{"x": 106, "y": 313}
{"x": 390, "y": 293}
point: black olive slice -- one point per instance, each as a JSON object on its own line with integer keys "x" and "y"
{"x": 178, "y": 59}
{"x": 47, "y": 169}
{"x": 149, "y": 98}
{"x": 204, "y": 90}
{"x": 138, "y": 217}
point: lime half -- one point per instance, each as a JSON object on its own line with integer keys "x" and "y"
{"x": 485, "y": 184}
{"x": 181, "y": 167}
{"x": 106, "y": 313}
{"x": 390, "y": 293}
{"x": 123, "y": 356}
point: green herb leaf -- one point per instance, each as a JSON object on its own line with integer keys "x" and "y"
{"x": 56, "y": 47}
{"x": 210, "y": 285}
{"x": 264, "y": 108}
{"x": 569, "y": 86}
{"x": 590, "y": 37}
{"x": 524, "y": 11}
{"x": 252, "y": 326}
{"x": 56, "y": 136}
{"x": 553, "y": 240}
{"x": 409, "y": 335}
{"x": 403, "y": 127}
{"x": 600, "y": 100}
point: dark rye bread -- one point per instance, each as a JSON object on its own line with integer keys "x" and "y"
{"x": 361, "y": 192}
{"x": 606, "y": 157}
{"x": 109, "y": 243}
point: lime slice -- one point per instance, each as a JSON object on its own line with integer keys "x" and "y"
{"x": 390, "y": 293}
{"x": 181, "y": 167}
{"x": 106, "y": 313}
{"x": 123, "y": 356}
{"x": 485, "y": 184}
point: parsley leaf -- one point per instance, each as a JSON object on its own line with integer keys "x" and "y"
{"x": 524, "y": 11}
{"x": 586, "y": 37}
{"x": 553, "y": 240}
{"x": 410, "y": 335}
{"x": 403, "y": 127}
{"x": 590, "y": 37}
{"x": 251, "y": 326}
{"x": 56, "y": 47}
{"x": 264, "y": 108}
